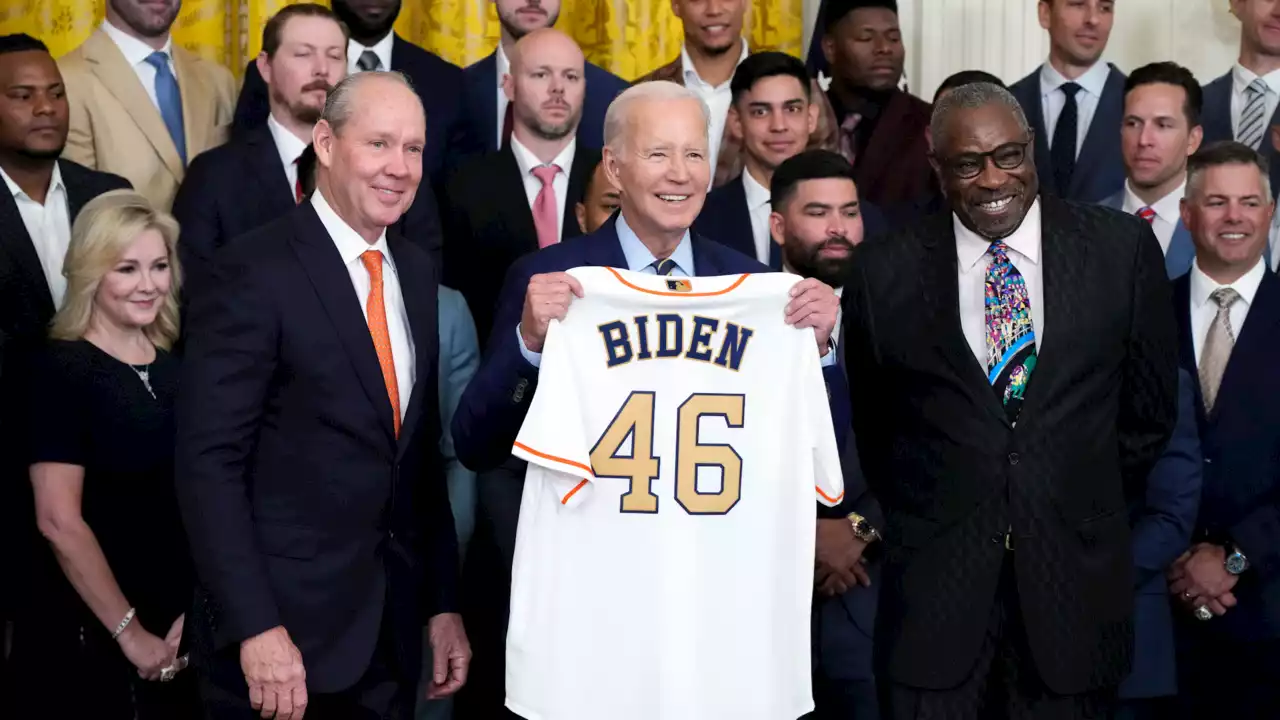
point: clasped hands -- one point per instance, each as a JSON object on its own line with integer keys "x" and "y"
{"x": 813, "y": 304}
{"x": 150, "y": 654}
{"x": 838, "y": 558}
{"x": 1200, "y": 578}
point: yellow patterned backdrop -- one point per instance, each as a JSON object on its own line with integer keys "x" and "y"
{"x": 628, "y": 37}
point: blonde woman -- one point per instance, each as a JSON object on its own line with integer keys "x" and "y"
{"x": 104, "y": 640}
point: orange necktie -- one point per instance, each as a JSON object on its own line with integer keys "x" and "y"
{"x": 377, "y": 317}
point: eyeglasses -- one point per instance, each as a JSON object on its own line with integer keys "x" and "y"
{"x": 966, "y": 166}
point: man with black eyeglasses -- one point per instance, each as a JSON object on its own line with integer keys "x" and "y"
{"x": 1003, "y": 466}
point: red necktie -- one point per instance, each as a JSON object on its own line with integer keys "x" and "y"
{"x": 1147, "y": 214}
{"x": 545, "y": 217}
{"x": 506, "y": 126}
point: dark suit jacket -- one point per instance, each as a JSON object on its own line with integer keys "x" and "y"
{"x": 481, "y": 100}
{"x": 301, "y": 506}
{"x": 495, "y": 403}
{"x": 1162, "y": 523}
{"x": 1240, "y": 502}
{"x": 1181, "y": 252}
{"x": 437, "y": 81}
{"x": 1099, "y": 166}
{"x": 894, "y": 169}
{"x": 1216, "y": 120}
{"x": 241, "y": 186}
{"x": 489, "y": 224}
{"x": 952, "y": 473}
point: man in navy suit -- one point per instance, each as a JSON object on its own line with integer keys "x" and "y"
{"x": 1228, "y": 309}
{"x": 373, "y": 46}
{"x": 310, "y": 480}
{"x": 488, "y": 110}
{"x": 1161, "y": 129}
{"x": 1074, "y": 103}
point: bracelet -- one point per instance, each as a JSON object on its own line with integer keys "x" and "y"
{"x": 128, "y": 618}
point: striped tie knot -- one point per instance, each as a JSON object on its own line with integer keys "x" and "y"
{"x": 1147, "y": 214}
{"x": 664, "y": 267}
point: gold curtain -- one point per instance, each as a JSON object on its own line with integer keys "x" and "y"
{"x": 627, "y": 37}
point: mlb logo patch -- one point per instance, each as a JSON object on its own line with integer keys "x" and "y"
{"x": 679, "y": 285}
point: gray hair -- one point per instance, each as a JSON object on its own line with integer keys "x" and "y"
{"x": 968, "y": 97}
{"x": 338, "y": 106}
{"x": 616, "y": 117}
{"x": 1225, "y": 152}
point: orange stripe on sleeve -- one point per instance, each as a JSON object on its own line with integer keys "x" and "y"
{"x": 553, "y": 458}
{"x": 741, "y": 279}
{"x": 565, "y": 500}
{"x": 827, "y": 497}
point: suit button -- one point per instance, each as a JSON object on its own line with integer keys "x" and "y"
{"x": 392, "y": 534}
{"x": 997, "y": 538}
{"x": 1013, "y": 458}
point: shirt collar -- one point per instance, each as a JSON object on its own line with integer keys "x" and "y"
{"x": 289, "y": 145}
{"x": 134, "y": 50}
{"x": 55, "y": 182}
{"x": 1202, "y": 286}
{"x": 504, "y": 65}
{"x": 757, "y": 194}
{"x": 382, "y": 49}
{"x": 638, "y": 256}
{"x": 690, "y": 73}
{"x": 1242, "y": 76}
{"x": 527, "y": 161}
{"x": 1093, "y": 81}
{"x": 349, "y": 242}
{"x": 1168, "y": 208}
{"x": 1025, "y": 241}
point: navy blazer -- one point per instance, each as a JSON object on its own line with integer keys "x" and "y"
{"x": 481, "y": 100}
{"x": 1181, "y": 252}
{"x": 495, "y": 403}
{"x": 1099, "y": 166}
{"x": 1216, "y": 121}
{"x": 1240, "y": 501}
{"x": 302, "y": 506}
{"x": 726, "y": 219}
{"x": 437, "y": 81}
{"x": 1162, "y": 523}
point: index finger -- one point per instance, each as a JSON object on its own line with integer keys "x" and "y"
{"x": 574, "y": 285}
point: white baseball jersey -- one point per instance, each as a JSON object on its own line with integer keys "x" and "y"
{"x": 664, "y": 556}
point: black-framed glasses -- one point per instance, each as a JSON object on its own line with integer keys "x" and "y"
{"x": 966, "y": 166}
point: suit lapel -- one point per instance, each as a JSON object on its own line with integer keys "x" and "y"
{"x": 605, "y": 250}
{"x": 332, "y": 284}
{"x": 584, "y": 163}
{"x": 17, "y": 242}
{"x": 1186, "y": 348}
{"x": 1102, "y": 142}
{"x": 1177, "y": 261}
{"x": 1034, "y": 110}
{"x": 1260, "y": 327}
{"x": 111, "y": 68}
{"x": 417, "y": 307}
{"x": 513, "y": 204}
{"x": 1062, "y": 268}
{"x": 273, "y": 191}
{"x": 882, "y": 149}
{"x": 1217, "y": 109}
{"x": 485, "y": 99}
{"x": 199, "y": 114}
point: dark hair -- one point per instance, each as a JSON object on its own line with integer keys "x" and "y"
{"x": 21, "y": 42}
{"x": 808, "y": 165}
{"x": 761, "y": 65}
{"x": 307, "y": 169}
{"x": 1170, "y": 73}
{"x": 274, "y": 29}
{"x": 1225, "y": 152}
{"x": 836, "y": 10}
{"x": 966, "y": 77}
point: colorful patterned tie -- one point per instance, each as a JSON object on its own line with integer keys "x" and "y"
{"x": 1011, "y": 338}
{"x": 545, "y": 208}
{"x": 1147, "y": 214}
{"x": 664, "y": 267}
{"x": 376, "y": 311}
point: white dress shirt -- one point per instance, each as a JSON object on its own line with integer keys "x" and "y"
{"x": 1241, "y": 77}
{"x": 759, "y": 206}
{"x": 1052, "y": 99}
{"x": 136, "y": 53}
{"x": 1204, "y": 310}
{"x": 290, "y": 147}
{"x": 351, "y": 246}
{"x": 49, "y": 226}
{"x": 382, "y": 49}
{"x": 504, "y": 67}
{"x": 973, "y": 259}
{"x": 532, "y": 185}
{"x": 717, "y": 97}
{"x": 1168, "y": 212}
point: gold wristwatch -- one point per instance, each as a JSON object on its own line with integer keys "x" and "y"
{"x": 862, "y": 528}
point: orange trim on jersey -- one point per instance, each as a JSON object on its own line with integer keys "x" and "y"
{"x": 565, "y": 500}
{"x": 553, "y": 458}
{"x": 734, "y": 286}
{"x": 828, "y": 498}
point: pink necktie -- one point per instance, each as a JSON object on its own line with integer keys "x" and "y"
{"x": 544, "y": 206}
{"x": 848, "y": 143}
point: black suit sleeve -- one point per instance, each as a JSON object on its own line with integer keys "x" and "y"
{"x": 229, "y": 362}
{"x": 196, "y": 210}
{"x": 252, "y": 107}
{"x": 865, "y": 381}
{"x": 1149, "y": 381}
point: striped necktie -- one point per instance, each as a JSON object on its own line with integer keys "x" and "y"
{"x": 664, "y": 267}
{"x": 1253, "y": 119}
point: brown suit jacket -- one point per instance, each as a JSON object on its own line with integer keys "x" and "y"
{"x": 729, "y": 160}
{"x": 894, "y": 168}
{"x": 116, "y": 128}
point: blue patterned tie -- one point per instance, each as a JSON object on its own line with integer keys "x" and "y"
{"x": 1011, "y": 336}
{"x": 664, "y": 267}
{"x": 170, "y": 101}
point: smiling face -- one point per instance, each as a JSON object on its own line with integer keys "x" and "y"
{"x": 132, "y": 292}
{"x": 1259, "y": 25}
{"x": 713, "y": 27}
{"x": 33, "y": 107}
{"x": 993, "y": 202}
{"x": 1228, "y": 211}
{"x": 1078, "y": 29}
{"x": 774, "y": 119}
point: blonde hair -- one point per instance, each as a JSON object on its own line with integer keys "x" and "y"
{"x": 104, "y": 230}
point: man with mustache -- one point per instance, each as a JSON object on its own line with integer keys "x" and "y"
{"x": 253, "y": 179}
{"x": 1005, "y": 465}
{"x": 141, "y": 106}
{"x": 1075, "y": 102}
{"x": 488, "y": 108}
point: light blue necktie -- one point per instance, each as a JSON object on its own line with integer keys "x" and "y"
{"x": 170, "y": 101}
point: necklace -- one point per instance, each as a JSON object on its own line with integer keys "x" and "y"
{"x": 144, "y": 374}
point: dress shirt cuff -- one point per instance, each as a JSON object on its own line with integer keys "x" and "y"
{"x": 828, "y": 360}
{"x": 533, "y": 358}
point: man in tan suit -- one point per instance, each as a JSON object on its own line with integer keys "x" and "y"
{"x": 142, "y": 107}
